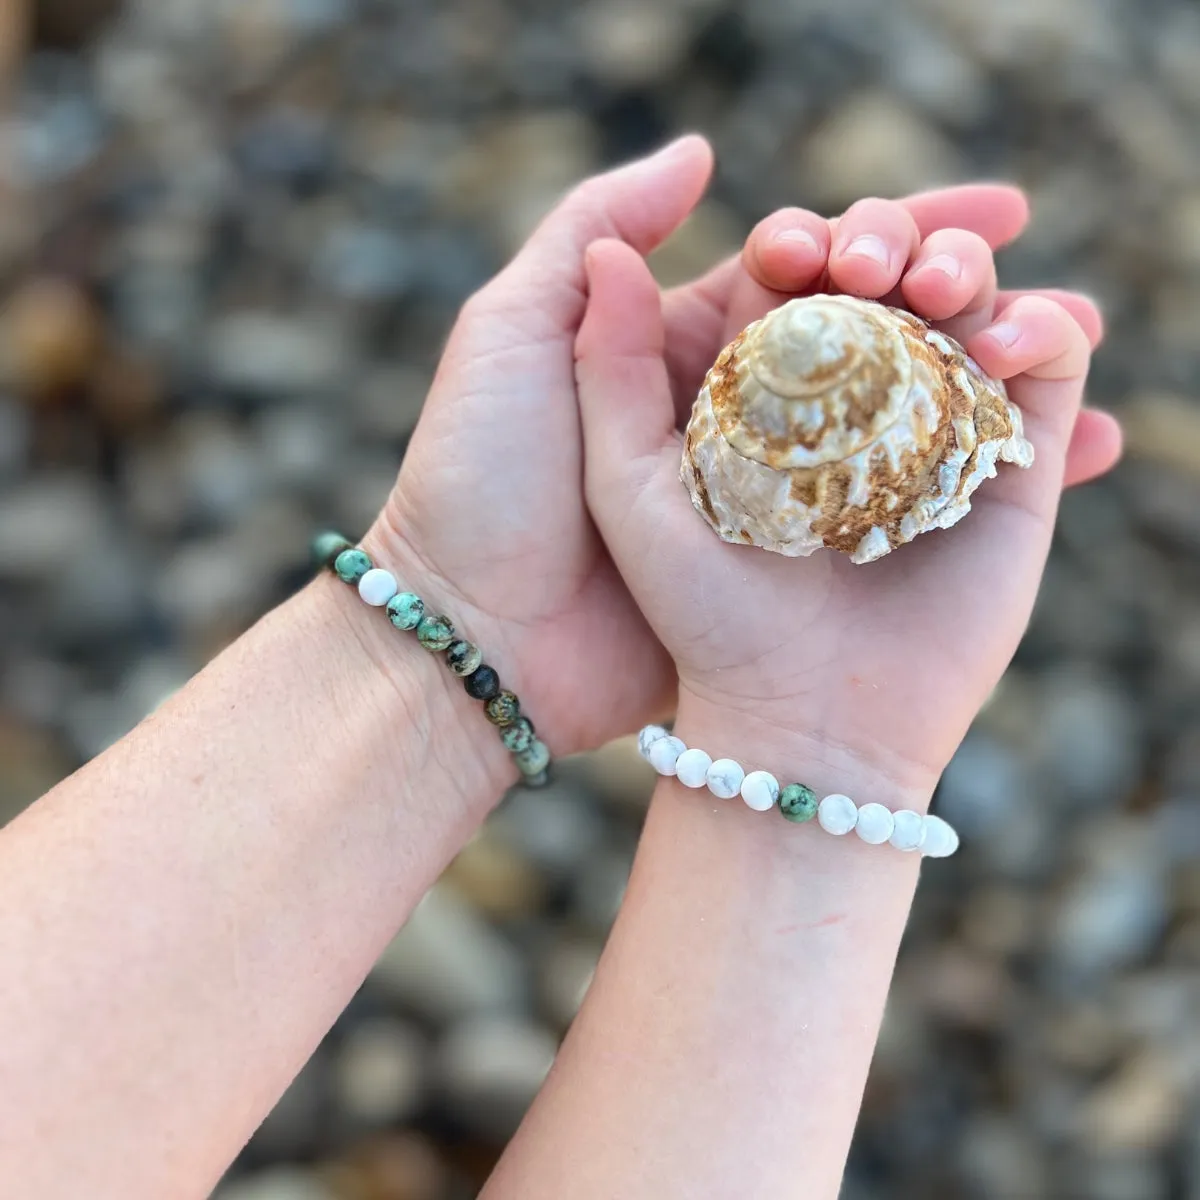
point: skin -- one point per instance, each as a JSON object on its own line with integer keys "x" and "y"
{"x": 183, "y": 919}
{"x": 750, "y": 963}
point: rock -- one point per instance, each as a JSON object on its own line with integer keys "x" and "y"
{"x": 34, "y": 762}
{"x": 447, "y": 963}
{"x": 1137, "y": 1110}
{"x": 1000, "y": 1160}
{"x": 296, "y": 1125}
{"x": 388, "y": 401}
{"x": 630, "y": 45}
{"x": 619, "y": 774}
{"x": 221, "y": 469}
{"x": 491, "y": 1067}
{"x": 298, "y": 446}
{"x": 47, "y": 522}
{"x": 403, "y": 1166}
{"x": 565, "y": 975}
{"x": 554, "y": 827}
{"x": 206, "y": 588}
{"x": 266, "y": 355}
{"x": 16, "y": 434}
{"x": 364, "y": 263}
{"x": 999, "y": 920}
{"x": 1117, "y": 1177}
{"x": 965, "y": 990}
{"x": 1162, "y": 427}
{"x": 599, "y": 887}
{"x": 50, "y": 336}
{"x": 277, "y": 1183}
{"x": 379, "y": 1073}
{"x": 873, "y": 145}
{"x": 985, "y": 788}
{"x": 494, "y": 879}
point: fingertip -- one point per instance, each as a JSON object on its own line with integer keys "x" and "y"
{"x": 787, "y": 250}
{"x": 1034, "y": 336}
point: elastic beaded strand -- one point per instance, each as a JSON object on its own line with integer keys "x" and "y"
{"x": 836, "y": 814}
{"x": 407, "y": 611}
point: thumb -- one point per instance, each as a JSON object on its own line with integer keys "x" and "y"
{"x": 625, "y": 400}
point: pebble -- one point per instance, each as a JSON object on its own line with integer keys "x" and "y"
{"x": 495, "y": 877}
{"x": 276, "y": 1183}
{"x": 46, "y": 522}
{"x": 565, "y": 976}
{"x": 379, "y": 1072}
{"x": 266, "y": 355}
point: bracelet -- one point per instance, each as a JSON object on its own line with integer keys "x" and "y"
{"x": 836, "y": 814}
{"x": 406, "y": 611}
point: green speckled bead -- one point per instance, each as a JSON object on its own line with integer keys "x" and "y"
{"x": 483, "y": 683}
{"x": 798, "y": 803}
{"x": 503, "y": 708}
{"x": 519, "y": 735}
{"x": 463, "y": 657}
{"x": 535, "y": 759}
{"x": 405, "y": 610}
{"x": 434, "y": 632}
{"x": 326, "y": 547}
{"x": 351, "y": 565}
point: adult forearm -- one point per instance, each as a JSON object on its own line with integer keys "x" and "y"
{"x": 182, "y": 920}
{"x": 724, "y": 1045}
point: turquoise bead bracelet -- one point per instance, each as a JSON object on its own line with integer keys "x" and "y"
{"x": 406, "y": 611}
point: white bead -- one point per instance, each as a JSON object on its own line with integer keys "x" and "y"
{"x": 692, "y": 768}
{"x": 760, "y": 790}
{"x": 664, "y": 754}
{"x": 648, "y": 736}
{"x": 725, "y": 779}
{"x": 875, "y": 824}
{"x": 909, "y": 831}
{"x": 377, "y": 586}
{"x": 940, "y": 839}
{"x": 837, "y": 814}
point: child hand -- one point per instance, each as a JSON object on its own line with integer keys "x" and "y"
{"x": 877, "y": 668}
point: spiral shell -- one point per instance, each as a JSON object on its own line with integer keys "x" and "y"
{"x": 845, "y": 423}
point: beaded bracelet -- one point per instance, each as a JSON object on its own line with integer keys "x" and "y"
{"x": 836, "y": 814}
{"x": 406, "y": 610}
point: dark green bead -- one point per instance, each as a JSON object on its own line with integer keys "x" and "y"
{"x": 326, "y": 547}
{"x": 519, "y": 735}
{"x": 483, "y": 684}
{"x": 351, "y": 565}
{"x": 434, "y": 632}
{"x": 534, "y": 759}
{"x": 798, "y": 803}
{"x": 464, "y": 657}
{"x": 405, "y": 610}
{"x": 503, "y": 708}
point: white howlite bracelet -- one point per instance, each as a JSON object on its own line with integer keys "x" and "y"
{"x": 837, "y": 814}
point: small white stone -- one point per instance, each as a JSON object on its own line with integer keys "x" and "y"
{"x": 940, "y": 839}
{"x": 875, "y": 824}
{"x": 377, "y": 587}
{"x": 647, "y": 738}
{"x": 909, "y": 831}
{"x": 725, "y": 779}
{"x": 837, "y": 814}
{"x": 692, "y": 768}
{"x": 760, "y": 790}
{"x": 664, "y": 754}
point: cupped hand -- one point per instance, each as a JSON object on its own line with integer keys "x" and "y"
{"x": 881, "y": 665}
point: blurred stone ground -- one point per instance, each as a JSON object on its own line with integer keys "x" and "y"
{"x": 233, "y": 235}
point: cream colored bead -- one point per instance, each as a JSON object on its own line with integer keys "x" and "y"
{"x": 664, "y": 754}
{"x": 837, "y": 814}
{"x": 909, "y": 830}
{"x": 875, "y": 824}
{"x": 692, "y": 768}
{"x": 760, "y": 790}
{"x": 648, "y": 736}
{"x": 377, "y": 587}
{"x": 940, "y": 839}
{"x": 725, "y": 778}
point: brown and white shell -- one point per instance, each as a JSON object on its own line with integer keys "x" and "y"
{"x": 841, "y": 422}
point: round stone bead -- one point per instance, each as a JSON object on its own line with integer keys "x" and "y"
{"x": 405, "y": 610}
{"x": 483, "y": 683}
{"x": 908, "y": 830}
{"x": 760, "y": 790}
{"x": 647, "y": 738}
{"x": 664, "y": 754}
{"x": 940, "y": 839}
{"x": 464, "y": 657}
{"x": 691, "y": 768}
{"x": 518, "y": 736}
{"x": 875, "y": 824}
{"x": 351, "y": 565}
{"x": 536, "y": 780}
{"x": 326, "y": 547}
{"x": 837, "y": 814}
{"x": 798, "y": 803}
{"x": 503, "y": 708}
{"x": 724, "y": 778}
{"x": 434, "y": 632}
{"x": 533, "y": 760}
{"x": 377, "y": 587}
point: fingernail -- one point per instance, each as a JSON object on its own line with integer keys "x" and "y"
{"x": 1006, "y": 333}
{"x": 869, "y": 246}
{"x": 797, "y": 237}
{"x": 946, "y": 263}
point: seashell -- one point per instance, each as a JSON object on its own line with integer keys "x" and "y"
{"x": 844, "y": 423}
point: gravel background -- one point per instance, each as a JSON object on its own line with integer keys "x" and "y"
{"x": 232, "y": 234}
